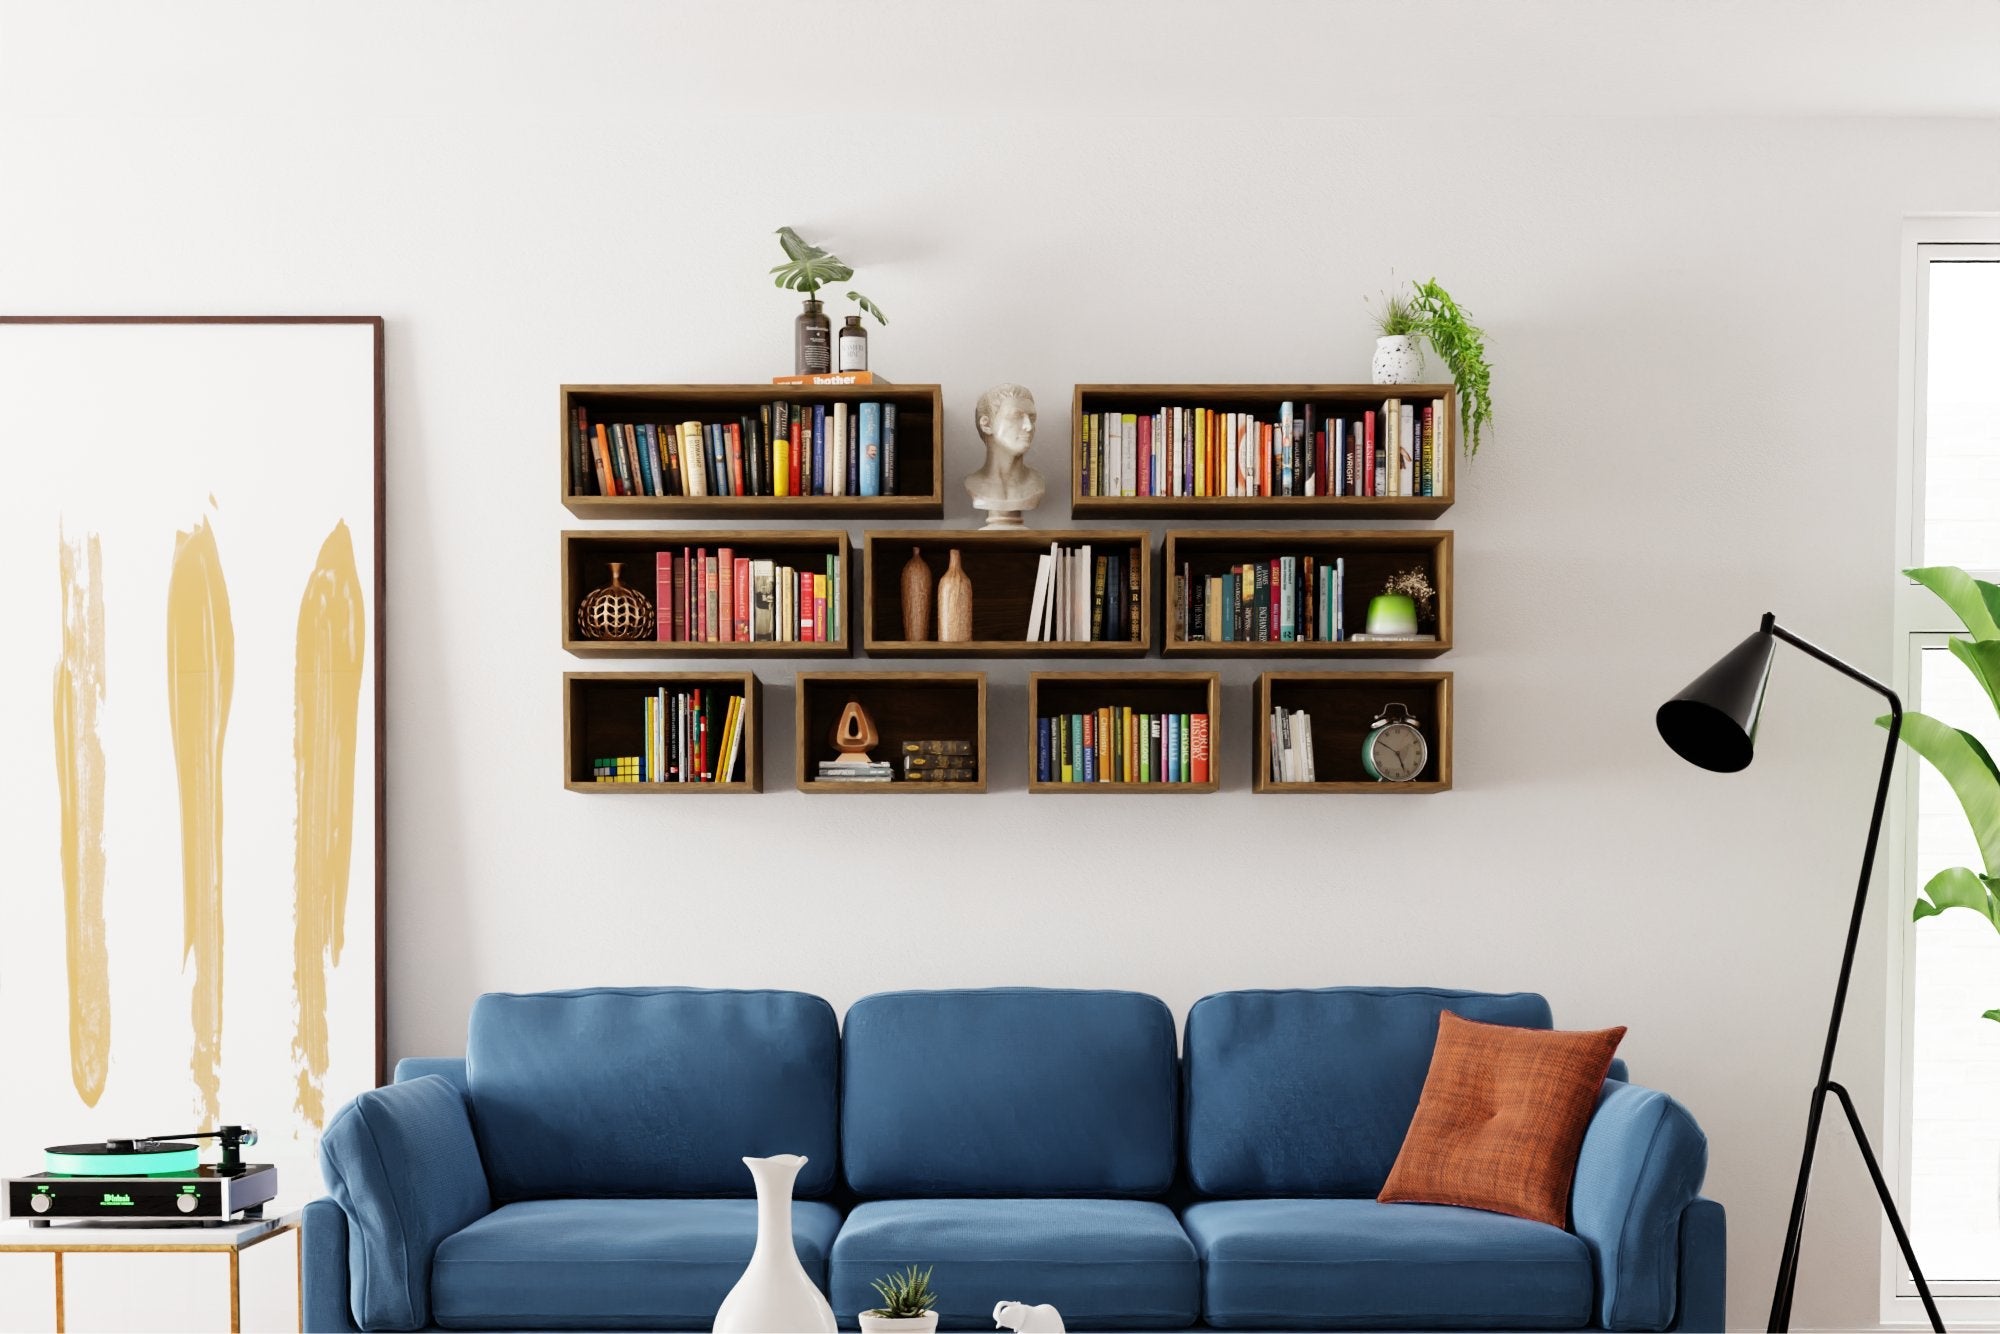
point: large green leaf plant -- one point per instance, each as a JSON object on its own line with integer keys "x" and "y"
{"x": 1958, "y": 755}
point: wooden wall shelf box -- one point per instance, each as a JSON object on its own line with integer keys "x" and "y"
{"x": 1342, "y": 705}
{"x": 586, "y": 564}
{"x": 1372, "y": 556}
{"x": 905, "y": 706}
{"x": 1002, "y": 567}
{"x": 1053, "y": 693}
{"x": 604, "y": 715}
{"x": 919, "y": 448}
{"x": 1263, "y": 399}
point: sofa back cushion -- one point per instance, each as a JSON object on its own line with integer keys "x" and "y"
{"x": 1310, "y": 1092}
{"x": 1009, "y": 1092}
{"x": 647, "y": 1092}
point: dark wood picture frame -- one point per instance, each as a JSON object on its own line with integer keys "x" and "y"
{"x": 380, "y": 619}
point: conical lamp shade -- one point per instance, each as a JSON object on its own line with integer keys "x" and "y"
{"x": 1713, "y": 723}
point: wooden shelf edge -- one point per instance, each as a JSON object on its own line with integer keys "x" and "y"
{"x": 1298, "y": 649}
{"x": 889, "y": 788}
{"x": 670, "y": 648}
{"x": 1260, "y": 507}
{"x": 663, "y": 789}
{"x": 1360, "y": 789}
{"x": 754, "y": 507}
{"x": 1005, "y": 648}
{"x": 1115, "y": 789}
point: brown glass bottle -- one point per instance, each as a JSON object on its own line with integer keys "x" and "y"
{"x": 853, "y": 345}
{"x": 813, "y": 345}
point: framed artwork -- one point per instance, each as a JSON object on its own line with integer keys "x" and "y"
{"x": 191, "y": 853}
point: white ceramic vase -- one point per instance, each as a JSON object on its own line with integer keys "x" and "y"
{"x": 1397, "y": 360}
{"x": 774, "y": 1293}
{"x": 881, "y": 1324}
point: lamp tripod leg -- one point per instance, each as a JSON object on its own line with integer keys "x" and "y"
{"x": 1888, "y": 1205}
{"x": 1788, "y": 1259}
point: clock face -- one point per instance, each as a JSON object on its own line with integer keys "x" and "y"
{"x": 1399, "y": 752}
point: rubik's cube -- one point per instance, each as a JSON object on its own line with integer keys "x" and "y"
{"x": 616, "y": 769}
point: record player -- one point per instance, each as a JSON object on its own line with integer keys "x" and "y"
{"x": 149, "y": 1181}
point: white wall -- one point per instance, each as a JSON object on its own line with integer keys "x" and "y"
{"x": 1693, "y": 323}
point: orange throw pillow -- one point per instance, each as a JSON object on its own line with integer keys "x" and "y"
{"x": 1501, "y": 1120}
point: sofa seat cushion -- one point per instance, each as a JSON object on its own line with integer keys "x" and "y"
{"x": 1105, "y": 1264}
{"x": 1356, "y": 1264}
{"x": 609, "y": 1264}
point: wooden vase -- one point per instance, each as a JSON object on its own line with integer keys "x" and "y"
{"x": 954, "y": 596}
{"x": 916, "y": 597}
{"x": 615, "y": 611}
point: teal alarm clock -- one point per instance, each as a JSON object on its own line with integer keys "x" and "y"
{"x": 1394, "y": 751}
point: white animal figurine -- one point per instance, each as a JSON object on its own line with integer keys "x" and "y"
{"x": 1025, "y": 1319}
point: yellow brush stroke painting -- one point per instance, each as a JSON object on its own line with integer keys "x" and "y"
{"x": 333, "y": 632}
{"x": 79, "y": 691}
{"x": 201, "y": 667}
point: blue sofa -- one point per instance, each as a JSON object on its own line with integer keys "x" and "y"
{"x": 580, "y": 1168}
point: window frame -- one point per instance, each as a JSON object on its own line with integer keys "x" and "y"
{"x": 1921, "y": 622}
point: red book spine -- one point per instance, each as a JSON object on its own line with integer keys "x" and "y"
{"x": 1198, "y": 747}
{"x": 663, "y": 595}
{"x": 1368, "y": 455}
{"x": 707, "y": 597}
{"x": 1322, "y": 479}
{"x": 681, "y": 621}
{"x": 741, "y": 598}
{"x": 797, "y": 461}
{"x": 1145, "y": 478}
{"x": 722, "y": 601}
{"x": 808, "y": 627}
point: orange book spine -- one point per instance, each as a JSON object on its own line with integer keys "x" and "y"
{"x": 1198, "y": 747}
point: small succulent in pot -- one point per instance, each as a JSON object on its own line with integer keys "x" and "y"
{"x": 909, "y": 1304}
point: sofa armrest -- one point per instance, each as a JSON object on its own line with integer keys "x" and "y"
{"x": 1641, "y": 1166}
{"x": 323, "y": 1269}
{"x": 402, "y": 1165}
{"x": 1704, "y": 1255}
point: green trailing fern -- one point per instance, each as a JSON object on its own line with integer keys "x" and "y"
{"x": 1958, "y": 755}
{"x": 1430, "y": 313}
{"x": 906, "y": 1295}
{"x": 807, "y": 268}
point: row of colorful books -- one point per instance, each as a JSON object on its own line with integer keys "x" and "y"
{"x": 1402, "y": 449}
{"x": 946, "y": 760}
{"x": 1081, "y": 595}
{"x": 784, "y": 449}
{"x": 721, "y": 597}
{"x": 1291, "y": 746}
{"x": 690, "y": 736}
{"x": 1282, "y": 600}
{"x": 1118, "y": 744}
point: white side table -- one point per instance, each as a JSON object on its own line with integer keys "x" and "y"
{"x": 65, "y": 1239}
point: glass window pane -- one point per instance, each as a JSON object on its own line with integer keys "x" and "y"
{"x": 1955, "y": 1060}
{"x": 1962, "y": 415}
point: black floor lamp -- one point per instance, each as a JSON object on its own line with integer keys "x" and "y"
{"x": 1713, "y": 724}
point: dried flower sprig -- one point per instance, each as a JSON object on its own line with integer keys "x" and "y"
{"x": 1414, "y": 584}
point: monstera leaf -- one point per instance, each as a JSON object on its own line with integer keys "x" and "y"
{"x": 807, "y": 268}
{"x": 1970, "y": 771}
{"x": 869, "y": 307}
{"x": 1973, "y": 601}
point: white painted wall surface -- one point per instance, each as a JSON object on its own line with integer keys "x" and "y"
{"x": 1693, "y": 321}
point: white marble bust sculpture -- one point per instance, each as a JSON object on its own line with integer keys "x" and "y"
{"x": 1006, "y": 487}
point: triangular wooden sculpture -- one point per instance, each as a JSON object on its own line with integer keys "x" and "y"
{"x": 854, "y": 735}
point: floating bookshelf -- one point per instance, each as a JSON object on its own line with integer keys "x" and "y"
{"x": 586, "y": 564}
{"x": 604, "y": 715}
{"x": 1057, "y": 693}
{"x": 1327, "y": 400}
{"x": 1342, "y": 705}
{"x": 919, "y": 448}
{"x": 905, "y": 706}
{"x": 1371, "y": 557}
{"x": 1002, "y": 567}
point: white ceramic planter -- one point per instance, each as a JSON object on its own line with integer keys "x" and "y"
{"x": 1397, "y": 360}
{"x": 881, "y": 1324}
{"x": 774, "y": 1292}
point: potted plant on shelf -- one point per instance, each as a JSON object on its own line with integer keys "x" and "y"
{"x": 909, "y": 1304}
{"x": 807, "y": 268}
{"x": 1426, "y": 311}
